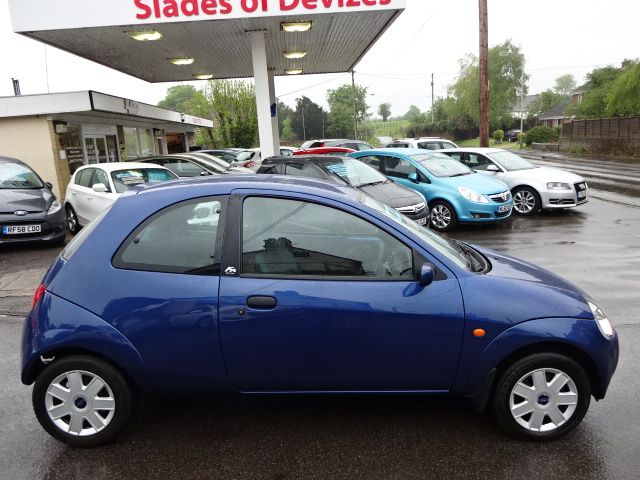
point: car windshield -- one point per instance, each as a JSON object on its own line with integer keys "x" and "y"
{"x": 246, "y": 155}
{"x": 443, "y": 245}
{"x": 355, "y": 173}
{"x": 123, "y": 180}
{"x": 14, "y": 175}
{"x": 440, "y": 165}
{"x": 510, "y": 161}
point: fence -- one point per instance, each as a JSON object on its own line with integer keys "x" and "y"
{"x": 615, "y": 136}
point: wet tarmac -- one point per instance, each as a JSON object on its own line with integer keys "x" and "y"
{"x": 596, "y": 246}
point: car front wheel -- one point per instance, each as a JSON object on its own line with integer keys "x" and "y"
{"x": 542, "y": 396}
{"x": 443, "y": 216}
{"x": 82, "y": 401}
{"x": 526, "y": 201}
{"x": 72, "y": 220}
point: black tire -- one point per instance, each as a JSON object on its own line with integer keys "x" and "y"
{"x": 544, "y": 403}
{"x": 443, "y": 216}
{"x": 526, "y": 201}
{"x": 121, "y": 396}
{"x": 73, "y": 225}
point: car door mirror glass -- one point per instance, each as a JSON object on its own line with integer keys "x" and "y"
{"x": 427, "y": 275}
{"x": 100, "y": 188}
{"x": 413, "y": 177}
{"x": 493, "y": 168}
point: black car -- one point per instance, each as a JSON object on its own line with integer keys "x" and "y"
{"x": 341, "y": 170}
{"x": 29, "y": 211}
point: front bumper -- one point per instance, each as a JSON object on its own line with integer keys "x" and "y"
{"x": 52, "y": 228}
{"x": 490, "y": 212}
{"x": 578, "y": 195}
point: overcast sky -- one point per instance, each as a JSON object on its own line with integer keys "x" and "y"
{"x": 556, "y": 36}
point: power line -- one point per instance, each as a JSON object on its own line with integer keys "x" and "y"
{"x": 314, "y": 85}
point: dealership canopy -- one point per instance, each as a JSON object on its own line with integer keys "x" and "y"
{"x": 178, "y": 40}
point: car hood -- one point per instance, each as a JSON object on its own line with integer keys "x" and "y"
{"x": 36, "y": 200}
{"x": 393, "y": 194}
{"x": 547, "y": 174}
{"x": 478, "y": 183}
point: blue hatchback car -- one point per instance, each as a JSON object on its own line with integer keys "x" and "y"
{"x": 454, "y": 194}
{"x": 273, "y": 285}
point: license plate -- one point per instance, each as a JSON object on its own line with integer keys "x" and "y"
{"x": 18, "y": 229}
{"x": 422, "y": 221}
{"x": 504, "y": 208}
{"x": 582, "y": 195}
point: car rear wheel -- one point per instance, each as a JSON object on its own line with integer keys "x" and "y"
{"x": 542, "y": 396}
{"x": 443, "y": 216}
{"x": 72, "y": 220}
{"x": 526, "y": 201}
{"x": 82, "y": 401}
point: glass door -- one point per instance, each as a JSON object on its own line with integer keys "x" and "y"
{"x": 96, "y": 149}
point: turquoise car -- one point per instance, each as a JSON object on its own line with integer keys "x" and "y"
{"x": 455, "y": 193}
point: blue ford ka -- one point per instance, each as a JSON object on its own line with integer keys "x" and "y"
{"x": 273, "y": 285}
{"x": 454, "y": 194}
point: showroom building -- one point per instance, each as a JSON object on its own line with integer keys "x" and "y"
{"x": 59, "y": 132}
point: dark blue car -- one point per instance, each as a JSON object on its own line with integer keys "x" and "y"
{"x": 273, "y": 285}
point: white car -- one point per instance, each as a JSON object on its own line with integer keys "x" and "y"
{"x": 425, "y": 143}
{"x": 93, "y": 188}
{"x": 533, "y": 188}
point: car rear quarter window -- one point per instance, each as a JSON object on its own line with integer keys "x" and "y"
{"x": 181, "y": 239}
{"x": 291, "y": 238}
{"x": 303, "y": 170}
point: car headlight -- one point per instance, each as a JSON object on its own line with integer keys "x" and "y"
{"x": 558, "y": 186}
{"x": 601, "y": 319}
{"x": 55, "y": 207}
{"x": 472, "y": 196}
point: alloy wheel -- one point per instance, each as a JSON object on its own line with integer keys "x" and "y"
{"x": 440, "y": 217}
{"x": 524, "y": 201}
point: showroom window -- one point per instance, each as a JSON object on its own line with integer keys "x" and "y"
{"x": 293, "y": 238}
{"x": 183, "y": 238}
{"x": 138, "y": 142}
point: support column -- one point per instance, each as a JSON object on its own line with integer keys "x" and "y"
{"x": 274, "y": 112}
{"x": 263, "y": 97}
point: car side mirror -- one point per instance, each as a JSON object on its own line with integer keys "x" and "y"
{"x": 204, "y": 173}
{"x": 493, "y": 168}
{"x": 100, "y": 188}
{"x": 427, "y": 275}
{"x": 49, "y": 185}
{"x": 413, "y": 177}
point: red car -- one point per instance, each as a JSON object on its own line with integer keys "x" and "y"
{"x": 325, "y": 151}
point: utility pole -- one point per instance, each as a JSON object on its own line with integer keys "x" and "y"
{"x": 484, "y": 75}
{"x": 433, "y": 118}
{"x": 355, "y": 114}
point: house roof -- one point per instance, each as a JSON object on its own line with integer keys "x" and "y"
{"x": 522, "y": 105}
{"x": 557, "y": 112}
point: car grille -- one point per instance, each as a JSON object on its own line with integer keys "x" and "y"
{"x": 555, "y": 201}
{"x": 501, "y": 197}
{"x": 412, "y": 209}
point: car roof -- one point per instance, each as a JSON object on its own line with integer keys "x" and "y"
{"x": 12, "y": 160}
{"x": 113, "y": 166}
{"x": 309, "y": 158}
{"x": 396, "y": 151}
{"x": 473, "y": 150}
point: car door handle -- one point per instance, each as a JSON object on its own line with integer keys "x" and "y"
{"x": 262, "y": 303}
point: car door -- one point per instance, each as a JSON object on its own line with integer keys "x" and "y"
{"x": 98, "y": 201}
{"x": 80, "y": 192}
{"x": 317, "y": 298}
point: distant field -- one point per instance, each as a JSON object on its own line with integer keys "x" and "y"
{"x": 392, "y": 128}
{"x": 475, "y": 142}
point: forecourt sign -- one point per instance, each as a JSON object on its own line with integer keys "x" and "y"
{"x": 213, "y": 39}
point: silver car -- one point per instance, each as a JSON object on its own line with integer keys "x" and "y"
{"x": 533, "y": 188}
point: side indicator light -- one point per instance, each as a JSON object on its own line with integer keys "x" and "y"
{"x": 479, "y": 333}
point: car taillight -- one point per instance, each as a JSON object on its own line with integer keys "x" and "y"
{"x": 249, "y": 164}
{"x": 36, "y": 297}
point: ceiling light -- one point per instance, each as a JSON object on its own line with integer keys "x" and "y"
{"x": 295, "y": 55}
{"x": 182, "y": 61}
{"x": 146, "y": 36}
{"x": 203, "y": 76}
{"x": 296, "y": 26}
{"x": 293, "y": 71}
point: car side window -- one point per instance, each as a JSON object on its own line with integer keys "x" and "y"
{"x": 183, "y": 168}
{"x": 84, "y": 177}
{"x": 101, "y": 177}
{"x": 430, "y": 145}
{"x": 477, "y": 162}
{"x": 283, "y": 237}
{"x": 375, "y": 161}
{"x": 399, "y": 168}
{"x": 183, "y": 238}
{"x": 302, "y": 170}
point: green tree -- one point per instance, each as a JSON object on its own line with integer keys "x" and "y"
{"x": 232, "y": 107}
{"x": 284, "y": 113}
{"x": 624, "y": 95}
{"x": 413, "y": 114}
{"x": 340, "y": 120}
{"x": 179, "y": 98}
{"x": 545, "y": 102}
{"x": 565, "y": 85}
{"x": 307, "y": 119}
{"x": 384, "y": 110}
{"x": 594, "y": 99}
{"x": 507, "y": 82}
